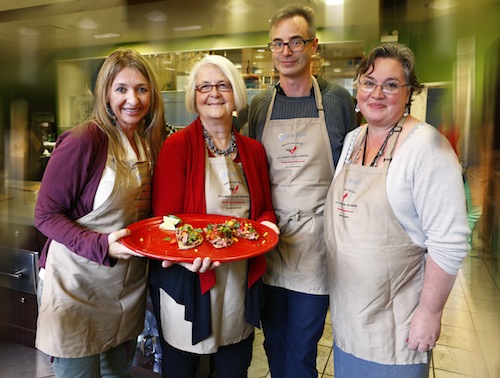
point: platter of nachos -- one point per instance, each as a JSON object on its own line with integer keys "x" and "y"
{"x": 183, "y": 237}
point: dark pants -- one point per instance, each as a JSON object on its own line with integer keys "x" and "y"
{"x": 231, "y": 361}
{"x": 293, "y": 323}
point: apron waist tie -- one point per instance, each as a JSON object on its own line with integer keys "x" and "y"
{"x": 294, "y": 215}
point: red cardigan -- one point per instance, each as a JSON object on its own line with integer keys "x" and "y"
{"x": 178, "y": 187}
{"x": 179, "y": 177}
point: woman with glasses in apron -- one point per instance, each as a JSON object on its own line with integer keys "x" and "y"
{"x": 395, "y": 226}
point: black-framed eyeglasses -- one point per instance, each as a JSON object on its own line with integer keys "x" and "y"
{"x": 391, "y": 87}
{"x": 221, "y": 87}
{"x": 296, "y": 44}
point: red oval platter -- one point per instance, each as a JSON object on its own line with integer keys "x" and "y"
{"x": 149, "y": 240}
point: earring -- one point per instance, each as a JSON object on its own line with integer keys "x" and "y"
{"x": 407, "y": 110}
{"x": 356, "y": 109}
{"x": 111, "y": 114}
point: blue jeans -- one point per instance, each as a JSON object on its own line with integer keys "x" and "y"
{"x": 114, "y": 363}
{"x": 348, "y": 366}
{"x": 293, "y": 323}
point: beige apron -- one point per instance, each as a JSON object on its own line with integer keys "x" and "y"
{"x": 226, "y": 193}
{"x": 301, "y": 170}
{"x": 88, "y": 308}
{"x": 375, "y": 271}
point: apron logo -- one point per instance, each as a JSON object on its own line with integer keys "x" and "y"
{"x": 292, "y": 150}
{"x": 345, "y": 196}
{"x": 283, "y": 136}
{"x": 234, "y": 190}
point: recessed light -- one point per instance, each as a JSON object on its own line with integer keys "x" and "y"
{"x": 87, "y": 24}
{"x": 442, "y": 4}
{"x": 334, "y": 2}
{"x": 106, "y": 35}
{"x": 184, "y": 28}
{"x": 156, "y": 16}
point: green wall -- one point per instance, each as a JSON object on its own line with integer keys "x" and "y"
{"x": 434, "y": 43}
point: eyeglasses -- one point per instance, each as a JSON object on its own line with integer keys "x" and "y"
{"x": 296, "y": 44}
{"x": 390, "y": 87}
{"x": 221, "y": 87}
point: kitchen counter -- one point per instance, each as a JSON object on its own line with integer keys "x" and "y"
{"x": 17, "y": 209}
{"x": 17, "y": 202}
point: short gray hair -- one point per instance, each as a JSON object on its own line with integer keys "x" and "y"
{"x": 229, "y": 70}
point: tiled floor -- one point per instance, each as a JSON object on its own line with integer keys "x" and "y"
{"x": 469, "y": 345}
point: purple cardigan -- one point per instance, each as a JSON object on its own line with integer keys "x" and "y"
{"x": 67, "y": 193}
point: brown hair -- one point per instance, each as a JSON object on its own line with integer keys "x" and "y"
{"x": 293, "y": 10}
{"x": 393, "y": 50}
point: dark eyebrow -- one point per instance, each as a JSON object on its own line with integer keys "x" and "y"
{"x": 292, "y": 37}
{"x": 386, "y": 80}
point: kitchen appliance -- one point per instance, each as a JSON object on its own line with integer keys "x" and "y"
{"x": 18, "y": 284}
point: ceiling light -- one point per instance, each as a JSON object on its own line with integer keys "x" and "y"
{"x": 87, "y": 24}
{"x": 334, "y": 2}
{"x": 184, "y": 28}
{"x": 156, "y": 16}
{"x": 442, "y": 4}
{"x": 106, "y": 35}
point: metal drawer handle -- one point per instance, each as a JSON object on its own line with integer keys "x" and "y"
{"x": 17, "y": 274}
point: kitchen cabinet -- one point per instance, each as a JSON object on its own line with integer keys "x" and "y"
{"x": 20, "y": 244}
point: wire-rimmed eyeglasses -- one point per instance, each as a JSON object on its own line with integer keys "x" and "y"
{"x": 296, "y": 44}
{"x": 391, "y": 87}
{"x": 221, "y": 87}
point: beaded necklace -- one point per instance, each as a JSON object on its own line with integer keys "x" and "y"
{"x": 216, "y": 151}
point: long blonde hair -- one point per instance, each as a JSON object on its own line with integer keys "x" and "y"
{"x": 153, "y": 127}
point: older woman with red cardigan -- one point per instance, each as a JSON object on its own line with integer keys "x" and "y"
{"x": 208, "y": 308}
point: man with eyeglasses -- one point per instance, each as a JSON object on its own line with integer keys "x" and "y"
{"x": 302, "y": 122}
